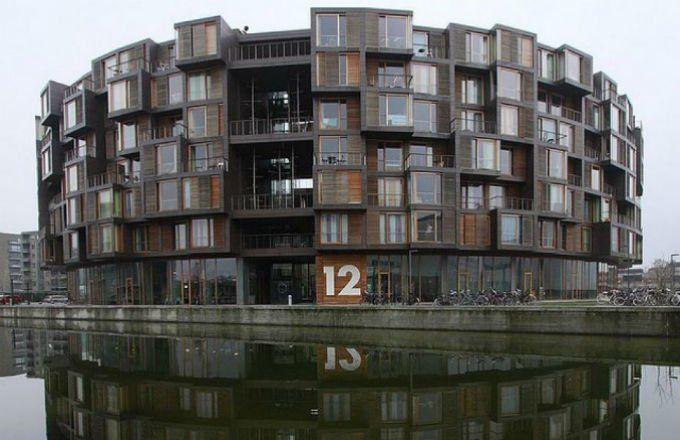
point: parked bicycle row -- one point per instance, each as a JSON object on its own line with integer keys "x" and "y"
{"x": 640, "y": 297}
{"x": 460, "y": 298}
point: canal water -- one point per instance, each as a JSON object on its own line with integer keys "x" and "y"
{"x": 103, "y": 385}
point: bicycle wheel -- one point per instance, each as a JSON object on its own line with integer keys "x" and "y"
{"x": 482, "y": 300}
{"x": 603, "y": 298}
{"x": 619, "y": 300}
{"x": 675, "y": 300}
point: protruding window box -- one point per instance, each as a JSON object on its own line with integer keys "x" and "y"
{"x": 129, "y": 96}
{"x": 51, "y": 99}
{"x": 286, "y": 52}
{"x": 79, "y": 109}
{"x": 571, "y": 70}
{"x": 512, "y": 229}
{"x": 394, "y": 35}
{"x": 201, "y": 43}
{"x": 50, "y": 156}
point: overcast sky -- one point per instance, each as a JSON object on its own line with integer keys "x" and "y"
{"x": 635, "y": 42}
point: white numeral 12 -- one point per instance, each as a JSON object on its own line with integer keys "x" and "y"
{"x": 350, "y": 288}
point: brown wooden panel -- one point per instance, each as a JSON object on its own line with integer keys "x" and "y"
{"x": 215, "y": 192}
{"x": 336, "y": 262}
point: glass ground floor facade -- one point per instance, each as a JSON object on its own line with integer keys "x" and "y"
{"x": 208, "y": 281}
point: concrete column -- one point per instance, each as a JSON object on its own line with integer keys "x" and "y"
{"x": 242, "y": 282}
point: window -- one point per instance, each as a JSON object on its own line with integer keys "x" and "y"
{"x": 506, "y": 161}
{"x": 336, "y": 407}
{"x": 510, "y": 400}
{"x": 73, "y": 212}
{"x": 472, "y": 120}
{"x": 525, "y": 51}
{"x": 71, "y": 116}
{"x": 331, "y": 30}
{"x": 471, "y": 90}
{"x": 393, "y": 406}
{"x": 557, "y": 427}
{"x": 72, "y": 178}
{"x": 485, "y": 154}
{"x": 186, "y": 194}
{"x": 511, "y": 229}
{"x": 197, "y": 122}
{"x": 596, "y": 178}
{"x": 424, "y": 78}
{"x": 166, "y": 159}
{"x": 556, "y": 197}
{"x": 509, "y": 84}
{"x": 425, "y": 116}
{"x": 104, "y": 203}
{"x": 556, "y": 163}
{"x": 198, "y": 86}
{"x": 141, "y": 239}
{"x": 547, "y": 64}
{"x": 128, "y": 204}
{"x": 421, "y": 44}
{"x": 73, "y": 244}
{"x": 167, "y": 195}
{"x": 389, "y": 158}
{"x": 175, "y": 92}
{"x": 605, "y": 210}
{"x": 46, "y": 162}
{"x": 630, "y": 187}
{"x": 109, "y": 66}
{"x": 548, "y": 238}
{"x": 548, "y": 129}
{"x": 573, "y": 66}
{"x": 119, "y": 94}
{"x": 596, "y": 116}
{"x": 393, "y": 32}
{"x": 180, "y": 236}
{"x": 126, "y": 135}
{"x": 426, "y": 188}
{"x": 333, "y": 150}
{"x": 334, "y": 115}
{"x": 201, "y": 232}
{"x": 509, "y": 120}
{"x": 420, "y": 156}
{"x": 556, "y": 105}
{"x": 472, "y": 196}
{"x": 393, "y": 110}
{"x": 44, "y": 104}
{"x": 567, "y": 136}
{"x": 426, "y": 226}
{"x": 106, "y": 232}
{"x": 334, "y": 229}
{"x": 392, "y": 228}
{"x": 476, "y": 48}
{"x": 392, "y": 75}
{"x": 200, "y": 157}
{"x": 390, "y": 193}
{"x": 496, "y": 196}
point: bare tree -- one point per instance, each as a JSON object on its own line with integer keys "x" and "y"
{"x": 660, "y": 273}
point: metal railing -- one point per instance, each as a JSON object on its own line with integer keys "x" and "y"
{"x": 128, "y": 66}
{"x": 78, "y": 152}
{"x": 84, "y": 84}
{"x": 568, "y": 113}
{"x": 253, "y": 127}
{"x": 609, "y": 189}
{"x": 269, "y": 50}
{"x": 106, "y": 179}
{"x": 424, "y": 50}
{"x": 592, "y": 153}
{"x": 497, "y": 202}
{"x": 391, "y": 80}
{"x": 163, "y": 132}
{"x": 275, "y": 241}
{"x": 253, "y": 202}
{"x": 386, "y": 200}
{"x": 606, "y": 94}
{"x": 163, "y": 65}
{"x": 575, "y": 180}
{"x": 557, "y": 207}
{"x": 429, "y": 160}
{"x": 205, "y": 164}
{"x": 476, "y": 58}
{"x": 473, "y": 125}
{"x": 550, "y": 137}
{"x": 340, "y": 159}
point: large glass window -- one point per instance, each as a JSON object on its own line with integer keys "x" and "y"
{"x": 425, "y": 116}
{"x": 390, "y": 191}
{"x": 390, "y": 158}
{"x": 197, "y": 122}
{"x": 46, "y": 161}
{"x": 509, "y": 84}
{"x": 548, "y": 234}
{"x": 556, "y": 197}
{"x": 175, "y": 92}
{"x": 471, "y": 90}
{"x": 166, "y": 159}
{"x": 476, "y": 48}
{"x": 392, "y": 228}
{"x": 472, "y": 196}
{"x": 509, "y": 120}
{"x": 614, "y": 118}
{"x": 596, "y": 178}
{"x": 394, "y": 32}
{"x": 573, "y": 66}
{"x": 334, "y": 115}
{"x": 424, "y": 78}
{"x": 547, "y": 64}
{"x": 104, "y": 203}
{"x": 421, "y": 44}
{"x": 426, "y": 188}
{"x": 567, "y": 136}
{"x": 118, "y": 95}
{"x": 201, "y": 232}
{"x": 199, "y": 84}
{"x": 106, "y": 232}
{"x": 511, "y": 229}
{"x": 426, "y": 226}
{"x": 333, "y": 150}
{"x": 167, "y": 195}
{"x": 548, "y": 130}
{"x": 180, "y": 236}
{"x": 334, "y": 228}
{"x": 557, "y": 163}
{"x": 72, "y": 178}
{"x": 127, "y": 135}
{"x": 420, "y": 156}
{"x": 506, "y": 161}
{"x": 186, "y": 193}
{"x": 331, "y": 30}
{"x": 393, "y": 110}
{"x": 71, "y": 116}
{"x": 485, "y": 154}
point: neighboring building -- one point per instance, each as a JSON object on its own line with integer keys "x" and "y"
{"x": 632, "y": 277}
{"x": 10, "y": 263}
{"x": 365, "y": 153}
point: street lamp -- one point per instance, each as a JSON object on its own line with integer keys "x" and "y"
{"x": 673, "y": 272}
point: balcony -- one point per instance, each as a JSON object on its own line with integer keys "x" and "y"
{"x": 424, "y": 160}
{"x": 205, "y": 164}
{"x": 390, "y": 81}
{"x": 592, "y": 153}
{"x": 79, "y": 153}
{"x": 571, "y": 114}
{"x": 427, "y": 51}
{"x": 340, "y": 159}
{"x": 497, "y": 202}
{"x": 386, "y": 200}
{"x": 162, "y": 134}
{"x": 130, "y": 66}
{"x": 473, "y": 126}
{"x": 84, "y": 84}
{"x": 272, "y": 205}
{"x": 550, "y": 137}
{"x": 575, "y": 180}
{"x": 273, "y": 52}
{"x": 108, "y": 178}
{"x": 265, "y": 130}
{"x": 163, "y": 65}
{"x": 276, "y": 244}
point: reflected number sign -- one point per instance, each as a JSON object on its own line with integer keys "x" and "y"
{"x": 351, "y": 288}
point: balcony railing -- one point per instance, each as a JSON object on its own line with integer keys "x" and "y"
{"x": 429, "y": 160}
{"x": 575, "y": 180}
{"x": 132, "y": 65}
{"x": 568, "y": 113}
{"x": 609, "y": 189}
{"x": 269, "y": 50}
{"x": 423, "y": 50}
{"x": 476, "y": 57}
{"x": 473, "y": 125}
{"x": 205, "y": 164}
{"x": 390, "y": 80}
{"x": 386, "y": 200}
{"x": 340, "y": 159}
{"x": 78, "y": 152}
{"x": 252, "y": 127}
{"x": 163, "y": 65}
{"x": 592, "y": 153}
{"x": 163, "y": 132}
{"x": 276, "y": 241}
{"x": 107, "y": 178}
{"x": 84, "y": 84}
{"x": 550, "y": 137}
{"x": 497, "y": 202}
{"x": 253, "y": 202}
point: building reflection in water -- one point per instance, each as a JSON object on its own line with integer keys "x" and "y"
{"x": 124, "y": 388}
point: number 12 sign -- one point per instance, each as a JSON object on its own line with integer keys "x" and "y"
{"x": 351, "y": 288}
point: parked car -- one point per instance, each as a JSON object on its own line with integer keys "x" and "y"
{"x": 55, "y": 299}
{"x": 6, "y": 300}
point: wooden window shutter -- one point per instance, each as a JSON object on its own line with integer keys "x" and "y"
{"x": 184, "y": 43}
{"x": 215, "y": 193}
